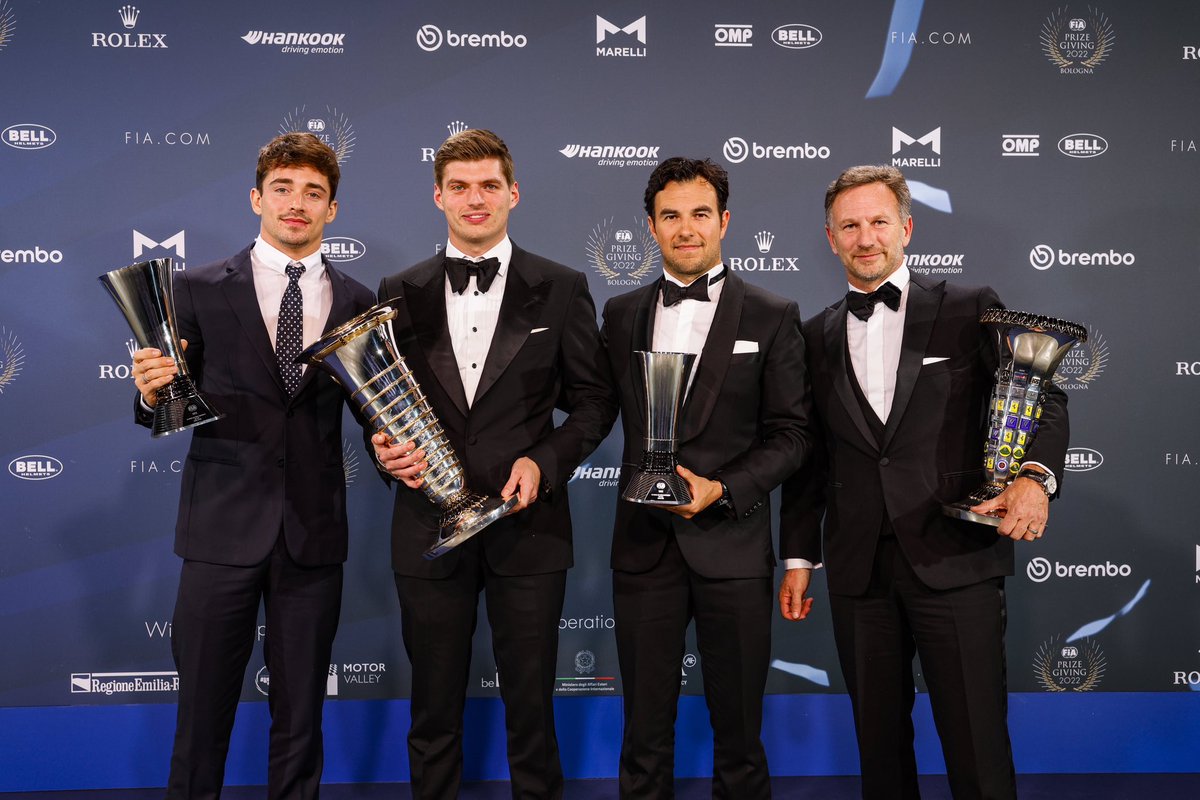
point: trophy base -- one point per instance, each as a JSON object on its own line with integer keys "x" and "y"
{"x": 962, "y": 509}
{"x": 175, "y": 414}
{"x": 657, "y": 489}
{"x": 458, "y": 527}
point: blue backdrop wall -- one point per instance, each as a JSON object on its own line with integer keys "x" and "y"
{"x": 1052, "y": 149}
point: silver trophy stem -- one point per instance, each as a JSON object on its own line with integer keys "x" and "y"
{"x": 362, "y": 357}
{"x": 143, "y": 293}
{"x": 1030, "y": 348}
{"x": 655, "y": 482}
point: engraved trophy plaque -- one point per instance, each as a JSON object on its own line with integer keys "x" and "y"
{"x": 655, "y": 482}
{"x": 362, "y": 357}
{"x": 1030, "y": 348}
{"x": 143, "y": 293}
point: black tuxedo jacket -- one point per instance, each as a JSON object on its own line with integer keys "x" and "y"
{"x": 931, "y": 452}
{"x": 273, "y": 462}
{"x": 745, "y": 422}
{"x": 545, "y": 354}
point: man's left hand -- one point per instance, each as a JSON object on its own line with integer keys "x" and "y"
{"x": 523, "y": 481}
{"x": 704, "y": 493}
{"x": 1024, "y": 507}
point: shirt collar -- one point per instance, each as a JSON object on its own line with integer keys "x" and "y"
{"x": 899, "y": 279}
{"x": 502, "y": 252}
{"x": 712, "y": 273}
{"x": 277, "y": 261}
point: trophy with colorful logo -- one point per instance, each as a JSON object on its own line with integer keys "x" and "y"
{"x": 143, "y": 293}
{"x": 1029, "y": 347}
{"x": 362, "y": 357}
{"x": 655, "y": 482}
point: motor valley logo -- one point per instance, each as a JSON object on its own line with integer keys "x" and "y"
{"x": 330, "y": 126}
{"x": 604, "y": 29}
{"x": 1069, "y": 667}
{"x": 1085, "y": 362}
{"x": 12, "y": 358}
{"x": 1077, "y": 44}
{"x": 8, "y": 22}
{"x": 622, "y": 255}
{"x": 129, "y": 16}
{"x": 173, "y": 247}
{"x": 454, "y": 128}
{"x": 110, "y": 683}
{"x": 298, "y": 43}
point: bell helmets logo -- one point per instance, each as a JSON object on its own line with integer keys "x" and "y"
{"x": 1083, "y": 459}
{"x": 795, "y": 36}
{"x": 29, "y": 136}
{"x": 340, "y": 249}
{"x": 1083, "y": 145}
{"x": 35, "y": 468}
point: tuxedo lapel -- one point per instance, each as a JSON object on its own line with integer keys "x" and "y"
{"x": 919, "y": 315}
{"x": 641, "y": 335}
{"x": 714, "y": 359}
{"x": 519, "y": 310}
{"x": 840, "y": 373}
{"x": 238, "y": 288}
{"x": 425, "y": 299}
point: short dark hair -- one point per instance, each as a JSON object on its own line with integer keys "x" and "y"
{"x": 297, "y": 149}
{"x": 865, "y": 174}
{"x": 684, "y": 170}
{"x": 473, "y": 144}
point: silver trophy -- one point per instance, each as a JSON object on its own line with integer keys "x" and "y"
{"x": 362, "y": 357}
{"x": 1030, "y": 348}
{"x": 655, "y": 482}
{"x": 143, "y": 293}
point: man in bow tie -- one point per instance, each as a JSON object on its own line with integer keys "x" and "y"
{"x": 498, "y": 338}
{"x": 902, "y": 374}
{"x": 743, "y": 428}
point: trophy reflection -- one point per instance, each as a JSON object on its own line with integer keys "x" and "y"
{"x": 362, "y": 357}
{"x": 1030, "y": 347}
{"x": 143, "y": 293}
{"x": 655, "y": 482}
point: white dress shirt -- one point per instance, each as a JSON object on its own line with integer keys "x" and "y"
{"x": 268, "y": 266}
{"x": 683, "y": 327}
{"x": 472, "y": 316}
{"x": 875, "y": 347}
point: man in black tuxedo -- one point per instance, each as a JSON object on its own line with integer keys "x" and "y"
{"x": 743, "y": 429}
{"x": 902, "y": 373}
{"x": 262, "y": 511}
{"x": 498, "y": 338}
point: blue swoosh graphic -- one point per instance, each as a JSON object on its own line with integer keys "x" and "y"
{"x": 905, "y": 16}
{"x": 817, "y": 676}
{"x": 1092, "y": 628}
{"x": 935, "y": 198}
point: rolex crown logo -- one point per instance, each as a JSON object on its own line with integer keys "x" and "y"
{"x": 131, "y": 345}
{"x": 129, "y": 16}
{"x": 764, "y": 240}
{"x": 456, "y": 127}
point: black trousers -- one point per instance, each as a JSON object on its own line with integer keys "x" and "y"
{"x": 438, "y": 619}
{"x": 213, "y": 632}
{"x": 733, "y": 633}
{"x": 959, "y": 635}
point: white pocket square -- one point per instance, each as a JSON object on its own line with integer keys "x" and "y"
{"x": 933, "y": 360}
{"x": 744, "y": 346}
{"x": 537, "y": 330}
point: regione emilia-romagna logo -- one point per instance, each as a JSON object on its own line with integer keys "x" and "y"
{"x": 8, "y": 21}
{"x": 431, "y": 37}
{"x": 29, "y": 136}
{"x": 1077, "y": 41}
{"x": 605, "y": 29}
{"x": 329, "y": 125}
{"x": 129, "y": 16}
{"x": 35, "y": 468}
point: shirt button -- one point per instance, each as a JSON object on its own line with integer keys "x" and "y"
{"x": 883, "y": 462}
{"x": 474, "y": 330}
{"x": 477, "y": 294}
{"x": 473, "y": 366}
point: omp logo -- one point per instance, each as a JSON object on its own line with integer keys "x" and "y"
{"x": 1020, "y": 144}
{"x": 796, "y": 36}
{"x": 142, "y": 243}
{"x": 29, "y": 136}
{"x": 604, "y": 27}
{"x": 1083, "y": 459}
{"x": 35, "y": 468}
{"x": 733, "y": 35}
{"x": 1083, "y": 145}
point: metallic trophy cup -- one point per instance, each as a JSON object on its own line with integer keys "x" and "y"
{"x": 1030, "y": 348}
{"x": 362, "y": 357}
{"x": 143, "y": 293}
{"x": 655, "y": 482}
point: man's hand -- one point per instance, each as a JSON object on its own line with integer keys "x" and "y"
{"x": 793, "y": 604}
{"x": 1024, "y": 507}
{"x": 152, "y": 371}
{"x": 404, "y": 462}
{"x": 704, "y": 493}
{"x": 523, "y": 480}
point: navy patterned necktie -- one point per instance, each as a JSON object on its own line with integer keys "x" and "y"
{"x": 290, "y": 332}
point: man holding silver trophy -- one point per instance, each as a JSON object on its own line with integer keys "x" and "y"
{"x": 704, "y": 447}
{"x": 497, "y": 339}
{"x": 262, "y": 509}
{"x": 902, "y": 370}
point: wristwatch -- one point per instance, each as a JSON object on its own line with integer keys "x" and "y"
{"x": 724, "y": 501}
{"x": 1047, "y": 481}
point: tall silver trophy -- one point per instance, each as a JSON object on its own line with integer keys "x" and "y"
{"x": 143, "y": 293}
{"x": 1030, "y": 348}
{"x": 362, "y": 357}
{"x": 656, "y": 482}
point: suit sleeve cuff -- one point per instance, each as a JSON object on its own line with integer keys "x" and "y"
{"x": 800, "y": 563}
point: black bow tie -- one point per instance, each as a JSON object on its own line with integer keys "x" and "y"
{"x": 460, "y": 270}
{"x": 696, "y": 290}
{"x": 863, "y": 305}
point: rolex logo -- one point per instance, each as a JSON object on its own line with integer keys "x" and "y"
{"x": 131, "y": 345}
{"x": 129, "y": 16}
{"x": 764, "y": 240}
{"x": 456, "y": 127}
